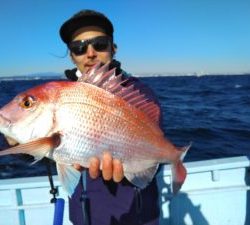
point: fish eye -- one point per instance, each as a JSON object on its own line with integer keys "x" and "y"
{"x": 27, "y": 102}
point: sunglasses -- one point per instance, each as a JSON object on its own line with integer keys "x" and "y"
{"x": 100, "y": 44}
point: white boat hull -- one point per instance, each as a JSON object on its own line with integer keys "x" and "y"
{"x": 215, "y": 192}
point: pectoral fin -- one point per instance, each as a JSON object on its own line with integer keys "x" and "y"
{"x": 68, "y": 176}
{"x": 37, "y": 148}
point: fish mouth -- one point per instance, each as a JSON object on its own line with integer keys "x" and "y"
{"x": 4, "y": 122}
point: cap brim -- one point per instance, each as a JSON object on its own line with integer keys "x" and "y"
{"x": 72, "y": 25}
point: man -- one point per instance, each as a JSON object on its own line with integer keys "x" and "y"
{"x": 106, "y": 198}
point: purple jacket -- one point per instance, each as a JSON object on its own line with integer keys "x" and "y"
{"x": 109, "y": 203}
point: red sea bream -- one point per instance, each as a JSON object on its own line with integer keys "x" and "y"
{"x": 70, "y": 122}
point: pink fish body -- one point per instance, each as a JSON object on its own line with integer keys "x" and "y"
{"x": 70, "y": 122}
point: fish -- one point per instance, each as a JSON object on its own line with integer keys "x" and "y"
{"x": 70, "y": 122}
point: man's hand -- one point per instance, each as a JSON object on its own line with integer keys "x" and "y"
{"x": 111, "y": 168}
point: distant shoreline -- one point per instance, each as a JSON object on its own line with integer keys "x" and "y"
{"x": 28, "y": 77}
{"x": 61, "y": 76}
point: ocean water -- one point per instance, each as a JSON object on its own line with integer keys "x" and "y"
{"x": 212, "y": 112}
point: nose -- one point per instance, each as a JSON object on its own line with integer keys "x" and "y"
{"x": 91, "y": 52}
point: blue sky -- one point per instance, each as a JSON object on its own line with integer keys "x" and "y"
{"x": 153, "y": 36}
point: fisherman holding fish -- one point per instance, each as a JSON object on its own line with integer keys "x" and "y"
{"x": 103, "y": 131}
{"x": 112, "y": 199}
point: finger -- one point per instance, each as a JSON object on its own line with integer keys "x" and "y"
{"x": 78, "y": 167}
{"x": 107, "y": 166}
{"x": 94, "y": 165}
{"x": 118, "y": 173}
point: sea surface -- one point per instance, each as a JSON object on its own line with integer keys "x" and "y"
{"x": 212, "y": 112}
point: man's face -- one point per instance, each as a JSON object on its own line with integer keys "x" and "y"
{"x": 92, "y": 56}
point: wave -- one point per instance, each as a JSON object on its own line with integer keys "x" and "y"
{"x": 210, "y": 111}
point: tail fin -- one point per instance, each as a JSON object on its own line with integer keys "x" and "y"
{"x": 179, "y": 172}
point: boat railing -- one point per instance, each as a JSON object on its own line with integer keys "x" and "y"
{"x": 215, "y": 192}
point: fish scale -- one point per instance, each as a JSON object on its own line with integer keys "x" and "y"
{"x": 102, "y": 119}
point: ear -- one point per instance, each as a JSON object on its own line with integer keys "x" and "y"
{"x": 114, "y": 49}
{"x": 71, "y": 57}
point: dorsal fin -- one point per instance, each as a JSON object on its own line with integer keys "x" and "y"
{"x": 102, "y": 77}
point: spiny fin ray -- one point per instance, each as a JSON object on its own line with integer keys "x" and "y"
{"x": 102, "y": 77}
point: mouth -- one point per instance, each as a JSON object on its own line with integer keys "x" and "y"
{"x": 91, "y": 63}
{"x": 88, "y": 67}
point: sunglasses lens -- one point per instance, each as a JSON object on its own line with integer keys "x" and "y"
{"x": 100, "y": 43}
{"x": 78, "y": 48}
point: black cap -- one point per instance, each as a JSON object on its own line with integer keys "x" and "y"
{"x": 82, "y": 19}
